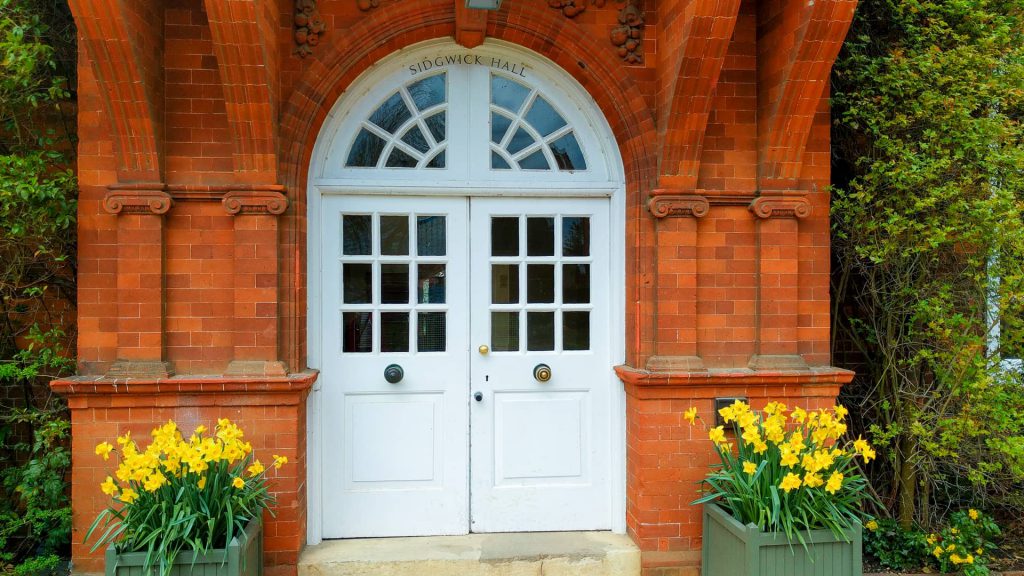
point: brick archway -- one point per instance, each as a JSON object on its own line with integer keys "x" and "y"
{"x": 333, "y": 69}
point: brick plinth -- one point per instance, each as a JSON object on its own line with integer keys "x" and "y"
{"x": 271, "y": 411}
{"x": 666, "y": 457}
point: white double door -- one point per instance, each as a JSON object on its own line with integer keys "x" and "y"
{"x": 467, "y": 301}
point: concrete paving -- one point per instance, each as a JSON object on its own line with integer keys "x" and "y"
{"x": 515, "y": 554}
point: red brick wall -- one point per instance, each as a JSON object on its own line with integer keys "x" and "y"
{"x": 190, "y": 106}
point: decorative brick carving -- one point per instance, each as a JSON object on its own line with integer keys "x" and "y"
{"x": 309, "y": 25}
{"x": 137, "y": 202}
{"x": 367, "y": 5}
{"x": 688, "y": 205}
{"x": 573, "y": 7}
{"x": 781, "y": 207}
{"x": 258, "y": 202}
{"x": 628, "y": 35}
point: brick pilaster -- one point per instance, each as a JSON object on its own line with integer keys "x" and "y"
{"x": 140, "y": 279}
{"x": 778, "y": 281}
{"x": 676, "y": 322}
{"x": 255, "y": 338}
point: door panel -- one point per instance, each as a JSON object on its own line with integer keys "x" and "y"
{"x": 540, "y": 449}
{"x": 395, "y": 282}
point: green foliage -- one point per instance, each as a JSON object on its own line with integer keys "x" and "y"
{"x": 35, "y": 511}
{"x": 965, "y": 543}
{"x": 894, "y": 547}
{"x": 47, "y": 565}
{"x": 928, "y": 231}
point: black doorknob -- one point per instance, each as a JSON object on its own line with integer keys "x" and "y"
{"x": 394, "y": 373}
{"x": 479, "y": 396}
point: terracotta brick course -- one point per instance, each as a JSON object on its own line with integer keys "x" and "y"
{"x": 205, "y": 100}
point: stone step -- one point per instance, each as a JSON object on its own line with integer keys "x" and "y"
{"x": 511, "y": 554}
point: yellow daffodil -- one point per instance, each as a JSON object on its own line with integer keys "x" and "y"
{"x": 932, "y": 539}
{"x": 951, "y": 547}
{"x": 979, "y": 551}
{"x": 279, "y": 461}
{"x": 954, "y": 531}
{"x": 255, "y": 468}
{"x": 109, "y": 487}
{"x": 201, "y": 483}
{"x": 124, "y": 440}
{"x": 747, "y": 420}
{"x": 956, "y": 559}
{"x": 841, "y": 411}
{"x": 973, "y": 514}
{"x": 749, "y": 467}
{"x": 812, "y": 480}
{"x": 200, "y": 429}
{"x": 760, "y": 447}
{"x": 969, "y": 559}
{"x": 128, "y": 496}
{"x": 835, "y": 482}
{"x": 774, "y": 408}
{"x": 798, "y": 415}
{"x": 716, "y": 434}
{"x": 937, "y": 552}
{"x": 871, "y": 525}
{"x": 789, "y": 458}
{"x": 790, "y": 482}
{"x": 238, "y": 483}
{"x": 154, "y": 482}
{"x": 690, "y": 415}
{"x": 103, "y": 449}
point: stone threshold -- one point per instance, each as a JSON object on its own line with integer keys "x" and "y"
{"x": 509, "y": 554}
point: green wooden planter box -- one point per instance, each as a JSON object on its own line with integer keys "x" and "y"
{"x": 242, "y": 557}
{"x": 732, "y": 549}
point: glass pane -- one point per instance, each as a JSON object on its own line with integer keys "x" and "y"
{"x": 575, "y": 283}
{"x": 505, "y": 236}
{"x": 399, "y": 159}
{"x": 436, "y": 125}
{"x": 508, "y": 94}
{"x": 430, "y": 335}
{"x": 520, "y": 140}
{"x": 365, "y": 150}
{"x": 391, "y": 114}
{"x": 427, "y": 92}
{"x": 540, "y": 330}
{"x": 543, "y": 117}
{"x": 356, "y": 230}
{"x": 430, "y": 236}
{"x": 430, "y": 284}
{"x": 499, "y": 125}
{"x": 358, "y": 282}
{"x": 504, "y": 283}
{"x": 567, "y": 153}
{"x": 575, "y": 330}
{"x": 357, "y": 332}
{"x": 540, "y": 236}
{"x": 540, "y": 283}
{"x": 535, "y": 161}
{"x": 394, "y": 235}
{"x": 575, "y": 236}
{"x": 394, "y": 331}
{"x": 497, "y": 162}
{"x": 437, "y": 161}
{"x": 394, "y": 284}
{"x": 415, "y": 138}
{"x": 505, "y": 331}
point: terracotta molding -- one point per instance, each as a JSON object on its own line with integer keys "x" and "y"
{"x": 734, "y": 377}
{"x": 628, "y": 35}
{"x": 781, "y": 207}
{"x": 687, "y": 205}
{"x": 470, "y": 25}
{"x": 309, "y": 26}
{"x": 571, "y": 8}
{"x": 99, "y": 386}
{"x": 367, "y": 5}
{"x": 137, "y": 201}
{"x": 254, "y": 202}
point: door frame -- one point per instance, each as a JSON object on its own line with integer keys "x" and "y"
{"x": 386, "y": 73}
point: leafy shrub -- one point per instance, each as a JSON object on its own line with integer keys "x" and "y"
{"x": 895, "y": 547}
{"x": 965, "y": 544}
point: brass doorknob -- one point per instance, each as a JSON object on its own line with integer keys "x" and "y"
{"x": 542, "y": 372}
{"x": 483, "y": 349}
